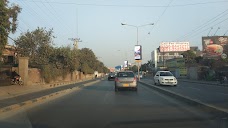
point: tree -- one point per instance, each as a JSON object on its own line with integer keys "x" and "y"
{"x": 37, "y": 45}
{"x": 189, "y": 56}
{"x": 87, "y": 56}
{"x": 86, "y": 69}
{"x": 8, "y": 21}
{"x": 134, "y": 68}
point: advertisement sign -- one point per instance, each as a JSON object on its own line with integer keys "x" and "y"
{"x": 125, "y": 64}
{"x": 214, "y": 46}
{"x": 175, "y": 63}
{"x": 183, "y": 71}
{"x": 174, "y": 46}
{"x": 138, "y": 52}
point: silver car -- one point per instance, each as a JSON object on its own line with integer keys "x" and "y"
{"x": 125, "y": 79}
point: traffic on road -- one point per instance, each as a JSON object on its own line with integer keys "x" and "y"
{"x": 98, "y": 105}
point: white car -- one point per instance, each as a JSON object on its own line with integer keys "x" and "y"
{"x": 165, "y": 78}
{"x": 140, "y": 75}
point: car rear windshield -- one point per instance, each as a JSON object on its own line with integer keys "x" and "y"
{"x": 112, "y": 74}
{"x": 166, "y": 74}
{"x": 125, "y": 74}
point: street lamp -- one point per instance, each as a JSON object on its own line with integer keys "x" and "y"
{"x": 137, "y": 28}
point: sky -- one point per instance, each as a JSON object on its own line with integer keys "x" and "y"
{"x": 98, "y": 24}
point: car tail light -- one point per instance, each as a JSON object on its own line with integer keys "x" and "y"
{"x": 135, "y": 79}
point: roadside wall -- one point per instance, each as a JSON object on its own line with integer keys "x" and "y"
{"x": 36, "y": 78}
{"x": 192, "y": 73}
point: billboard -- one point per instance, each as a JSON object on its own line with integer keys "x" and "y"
{"x": 125, "y": 64}
{"x": 214, "y": 46}
{"x": 138, "y": 52}
{"x": 174, "y": 46}
{"x": 175, "y": 63}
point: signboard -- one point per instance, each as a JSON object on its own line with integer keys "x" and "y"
{"x": 138, "y": 52}
{"x": 175, "y": 63}
{"x": 183, "y": 71}
{"x": 174, "y": 46}
{"x": 125, "y": 64}
{"x": 214, "y": 46}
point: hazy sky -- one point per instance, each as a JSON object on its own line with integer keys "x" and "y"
{"x": 98, "y": 23}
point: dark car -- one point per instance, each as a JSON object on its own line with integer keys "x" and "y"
{"x": 112, "y": 76}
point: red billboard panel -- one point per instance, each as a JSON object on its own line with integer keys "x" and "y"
{"x": 214, "y": 46}
{"x": 174, "y": 46}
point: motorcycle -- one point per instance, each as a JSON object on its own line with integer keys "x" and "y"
{"x": 223, "y": 79}
{"x": 17, "y": 80}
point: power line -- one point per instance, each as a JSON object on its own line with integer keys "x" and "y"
{"x": 42, "y": 10}
{"x": 226, "y": 32}
{"x": 159, "y": 18}
{"x": 217, "y": 30}
{"x": 59, "y": 19}
{"x": 209, "y": 31}
{"x": 209, "y": 27}
{"x": 32, "y": 12}
{"x": 149, "y": 6}
{"x": 212, "y": 20}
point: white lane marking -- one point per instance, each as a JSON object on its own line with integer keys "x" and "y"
{"x": 194, "y": 88}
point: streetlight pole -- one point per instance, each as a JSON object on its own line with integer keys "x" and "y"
{"x": 137, "y": 28}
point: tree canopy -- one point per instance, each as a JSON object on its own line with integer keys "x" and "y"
{"x": 55, "y": 61}
{"x": 8, "y": 21}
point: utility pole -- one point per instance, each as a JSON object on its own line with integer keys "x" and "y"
{"x": 76, "y": 40}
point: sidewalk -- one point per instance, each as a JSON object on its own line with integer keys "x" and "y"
{"x": 17, "y": 90}
{"x": 217, "y": 83}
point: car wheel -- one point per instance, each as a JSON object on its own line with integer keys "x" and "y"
{"x": 155, "y": 82}
{"x": 159, "y": 82}
{"x": 136, "y": 89}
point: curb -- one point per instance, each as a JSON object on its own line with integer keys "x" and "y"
{"x": 43, "y": 98}
{"x": 206, "y": 107}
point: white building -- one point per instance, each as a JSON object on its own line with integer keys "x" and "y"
{"x": 166, "y": 51}
{"x": 158, "y": 58}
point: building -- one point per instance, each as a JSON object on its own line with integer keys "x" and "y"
{"x": 8, "y": 55}
{"x": 166, "y": 51}
{"x": 177, "y": 67}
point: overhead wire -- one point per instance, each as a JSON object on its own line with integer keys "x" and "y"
{"x": 50, "y": 14}
{"x": 57, "y": 14}
{"x": 159, "y": 18}
{"x": 63, "y": 25}
{"x": 34, "y": 14}
{"x": 44, "y": 12}
{"x": 225, "y": 32}
{"x": 212, "y": 20}
{"x": 116, "y": 5}
{"x": 209, "y": 27}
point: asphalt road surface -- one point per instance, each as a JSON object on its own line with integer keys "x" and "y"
{"x": 211, "y": 94}
{"x": 33, "y": 95}
{"x": 99, "y": 106}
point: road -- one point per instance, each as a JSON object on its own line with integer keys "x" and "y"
{"x": 33, "y": 95}
{"x": 100, "y": 106}
{"x": 211, "y": 94}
